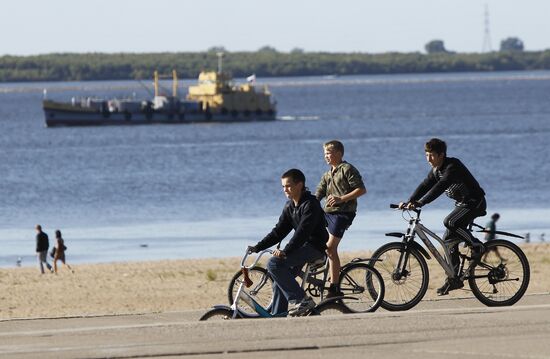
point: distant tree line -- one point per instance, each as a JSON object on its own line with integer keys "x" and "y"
{"x": 265, "y": 62}
{"x": 506, "y": 45}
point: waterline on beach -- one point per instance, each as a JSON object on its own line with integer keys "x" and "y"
{"x": 229, "y": 237}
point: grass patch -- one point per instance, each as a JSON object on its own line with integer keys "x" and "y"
{"x": 211, "y": 275}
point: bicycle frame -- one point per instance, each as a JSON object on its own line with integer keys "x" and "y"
{"x": 309, "y": 277}
{"x": 417, "y": 228}
{"x": 247, "y": 298}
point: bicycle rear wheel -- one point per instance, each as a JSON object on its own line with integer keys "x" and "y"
{"x": 261, "y": 289}
{"x": 405, "y": 276}
{"x": 364, "y": 283}
{"x": 217, "y": 314}
{"x": 330, "y": 308}
{"x": 502, "y": 276}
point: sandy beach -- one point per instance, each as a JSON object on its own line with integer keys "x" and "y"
{"x": 165, "y": 286}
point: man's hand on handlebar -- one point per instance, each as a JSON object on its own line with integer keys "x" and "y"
{"x": 276, "y": 252}
{"x": 409, "y": 205}
{"x": 252, "y": 249}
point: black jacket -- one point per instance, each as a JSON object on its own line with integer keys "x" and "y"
{"x": 454, "y": 179}
{"x": 308, "y": 221}
{"x": 42, "y": 242}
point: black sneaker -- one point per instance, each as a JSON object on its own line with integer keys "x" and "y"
{"x": 450, "y": 284}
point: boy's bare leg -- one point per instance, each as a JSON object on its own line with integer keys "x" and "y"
{"x": 334, "y": 260}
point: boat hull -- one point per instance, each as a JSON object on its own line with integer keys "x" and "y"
{"x": 61, "y": 114}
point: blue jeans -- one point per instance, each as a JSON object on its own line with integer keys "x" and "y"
{"x": 284, "y": 270}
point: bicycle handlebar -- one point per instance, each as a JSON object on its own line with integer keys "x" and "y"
{"x": 396, "y": 206}
{"x": 260, "y": 254}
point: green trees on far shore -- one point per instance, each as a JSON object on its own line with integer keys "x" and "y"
{"x": 266, "y": 62}
{"x": 435, "y": 47}
{"x": 511, "y": 44}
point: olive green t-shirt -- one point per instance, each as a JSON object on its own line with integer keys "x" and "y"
{"x": 338, "y": 182}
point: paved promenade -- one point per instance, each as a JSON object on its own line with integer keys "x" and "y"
{"x": 459, "y": 328}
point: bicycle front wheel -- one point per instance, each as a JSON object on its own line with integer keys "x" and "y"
{"x": 405, "y": 275}
{"x": 261, "y": 289}
{"x": 502, "y": 275}
{"x": 217, "y": 314}
{"x": 363, "y": 283}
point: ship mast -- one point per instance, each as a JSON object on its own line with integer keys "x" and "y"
{"x": 156, "y": 83}
{"x": 220, "y": 61}
{"x": 174, "y": 83}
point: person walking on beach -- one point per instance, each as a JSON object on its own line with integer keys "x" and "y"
{"x": 304, "y": 214}
{"x": 59, "y": 254}
{"x": 341, "y": 185}
{"x": 42, "y": 245}
{"x": 491, "y": 227}
{"x": 449, "y": 175}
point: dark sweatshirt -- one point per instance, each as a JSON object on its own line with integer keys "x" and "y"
{"x": 308, "y": 221}
{"x": 42, "y": 242}
{"x": 454, "y": 179}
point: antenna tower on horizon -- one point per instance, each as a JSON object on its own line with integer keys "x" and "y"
{"x": 487, "y": 35}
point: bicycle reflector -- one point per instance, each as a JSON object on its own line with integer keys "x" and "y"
{"x": 247, "y": 281}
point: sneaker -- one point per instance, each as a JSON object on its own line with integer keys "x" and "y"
{"x": 450, "y": 284}
{"x": 302, "y": 307}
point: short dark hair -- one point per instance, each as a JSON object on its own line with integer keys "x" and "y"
{"x": 495, "y": 216}
{"x": 335, "y": 145}
{"x": 58, "y": 234}
{"x": 436, "y": 145}
{"x": 296, "y": 175}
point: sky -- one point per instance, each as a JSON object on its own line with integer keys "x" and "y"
{"x": 30, "y": 27}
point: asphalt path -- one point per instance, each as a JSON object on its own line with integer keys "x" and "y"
{"x": 457, "y": 328}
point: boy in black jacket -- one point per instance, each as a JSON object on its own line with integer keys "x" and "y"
{"x": 304, "y": 214}
{"x": 449, "y": 175}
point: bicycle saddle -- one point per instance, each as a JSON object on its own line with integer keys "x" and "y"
{"x": 318, "y": 263}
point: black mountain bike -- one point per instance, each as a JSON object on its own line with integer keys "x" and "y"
{"x": 499, "y": 278}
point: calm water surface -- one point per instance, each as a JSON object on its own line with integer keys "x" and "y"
{"x": 201, "y": 190}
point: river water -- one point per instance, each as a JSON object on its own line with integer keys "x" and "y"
{"x": 208, "y": 190}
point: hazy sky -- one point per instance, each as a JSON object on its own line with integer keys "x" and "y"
{"x": 45, "y": 26}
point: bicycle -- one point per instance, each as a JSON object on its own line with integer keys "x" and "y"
{"x": 499, "y": 277}
{"x": 354, "y": 277}
{"x": 235, "y": 311}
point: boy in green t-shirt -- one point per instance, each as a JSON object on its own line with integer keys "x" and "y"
{"x": 340, "y": 186}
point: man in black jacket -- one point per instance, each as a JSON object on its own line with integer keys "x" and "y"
{"x": 42, "y": 245}
{"x": 449, "y": 175}
{"x": 304, "y": 214}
